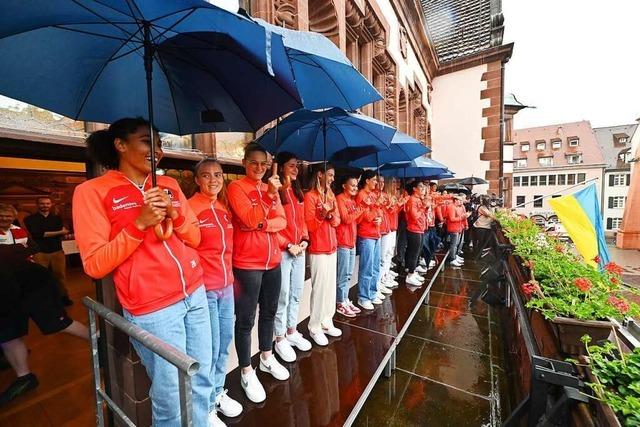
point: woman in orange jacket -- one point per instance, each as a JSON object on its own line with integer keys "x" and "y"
{"x": 258, "y": 218}
{"x": 415, "y": 210}
{"x": 322, "y": 217}
{"x": 159, "y": 283}
{"x": 346, "y": 233}
{"x": 294, "y": 242}
{"x": 215, "y": 249}
{"x": 369, "y": 242}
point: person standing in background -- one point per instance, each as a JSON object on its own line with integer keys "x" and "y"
{"x": 47, "y": 231}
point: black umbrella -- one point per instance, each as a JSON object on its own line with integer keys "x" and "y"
{"x": 472, "y": 180}
{"x": 454, "y": 188}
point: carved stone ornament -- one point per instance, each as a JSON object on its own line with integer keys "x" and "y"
{"x": 403, "y": 42}
{"x": 390, "y": 98}
{"x": 285, "y": 13}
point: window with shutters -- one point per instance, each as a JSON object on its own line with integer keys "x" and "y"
{"x": 618, "y": 180}
{"x": 614, "y": 223}
{"x": 537, "y": 201}
{"x": 616, "y": 202}
{"x": 582, "y": 177}
{"x": 520, "y": 200}
{"x": 552, "y": 180}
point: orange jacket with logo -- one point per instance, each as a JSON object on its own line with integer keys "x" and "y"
{"x": 148, "y": 274}
{"x": 415, "y": 211}
{"x": 383, "y": 202}
{"x": 258, "y": 219}
{"x": 216, "y": 243}
{"x": 350, "y": 214}
{"x": 456, "y": 218}
{"x": 296, "y": 230}
{"x": 322, "y": 230}
{"x": 368, "y": 201}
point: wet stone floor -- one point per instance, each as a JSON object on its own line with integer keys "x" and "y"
{"x": 450, "y": 369}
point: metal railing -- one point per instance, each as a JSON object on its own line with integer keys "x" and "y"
{"x": 187, "y": 366}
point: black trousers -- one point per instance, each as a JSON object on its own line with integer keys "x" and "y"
{"x": 253, "y": 287}
{"x": 414, "y": 246}
{"x": 401, "y": 246}
{"x": 484, "y": 240}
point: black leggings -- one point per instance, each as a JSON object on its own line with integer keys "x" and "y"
{"x": 414, "y": 246}
{"x": 484, "y": 240}
{"x": 253, "y": 287}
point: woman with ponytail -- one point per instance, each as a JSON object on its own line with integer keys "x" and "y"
{"x": 158, "y": 282}
{"x": 322, "y": 217}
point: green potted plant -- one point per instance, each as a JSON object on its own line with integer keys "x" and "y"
{"x": 578, "y": 298}
{"x": 615, "y": 380}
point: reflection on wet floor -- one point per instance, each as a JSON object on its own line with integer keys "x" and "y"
{"x": 450, "y": 367}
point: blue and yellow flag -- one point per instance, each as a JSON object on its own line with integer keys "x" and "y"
{"x": 580, "y": 215}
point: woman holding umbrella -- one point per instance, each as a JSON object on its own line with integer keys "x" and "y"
{"x": 322, "y": 217}
{"x": 258, "y": 218}
{"x": 159, "y": 283}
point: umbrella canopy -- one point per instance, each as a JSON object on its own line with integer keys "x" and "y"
{"x": 403, "y": 148}
{"x": 472, "y": 180}
{"x": 209, "y": 70}
{"x": 421, "y": 167}
{"x": 323, "y": 74}
{"x": 332, "y": 134}
{"x": 454, "y": 188}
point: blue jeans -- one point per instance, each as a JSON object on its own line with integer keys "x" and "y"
{"x": 221, "y": 313}
{"x": 368, "y": 268}
{"x": 186, "y": 326}
{"x": 292, "y": 283}
{"x": 346, "y": 263}
{"x": 454, "y": 245}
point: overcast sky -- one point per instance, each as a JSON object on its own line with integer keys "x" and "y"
{"x": 574, "y": 60}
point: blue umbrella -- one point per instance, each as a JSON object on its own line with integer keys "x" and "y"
{"x": 332, "y": 134}
{"x": 403, "y": 148}
{"x": 421, "y": 167}
{"x": 206, "y": 69}
{"x": 324, "y": 76}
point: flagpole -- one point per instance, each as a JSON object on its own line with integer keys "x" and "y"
{"x": 554, "y": 193}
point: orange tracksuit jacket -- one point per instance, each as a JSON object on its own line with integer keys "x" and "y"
{"x": 415, "y": 212}
{"x": 350, "y": 214}
{"x": 322, "y": 231}
{"x": 255, "y": 247}
{"x": 366, "y": 228}
{"x": 148, "y": 274}
{"x": 296, "y": 230}
{"x": 216, "y": 244}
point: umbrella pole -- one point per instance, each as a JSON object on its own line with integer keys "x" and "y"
{"x": 148, "y": 68}
{"x": 324, "y": 154}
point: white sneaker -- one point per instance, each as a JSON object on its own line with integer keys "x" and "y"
{"x": 376, "y": 301}
{"x": 284, "y": 350}
{"x": 420, "y": 269}
{"x": 412, "y": 280}
{"x": 383, "y": 288}
{"x": 214, "y": 421}
{"x": 332, "y": 331}
{"x": 380, "y": 296}
{"x": 272, "y": 366}
{"x": 422, "y": 263}
{"x": 393, "y": 274}
{"x": 297, "y": 340}
{"x": 320, "y": 338}
{"x": 419, "y": 277}
{"x": 252, "y": 387}
{"x": 391, "y": 284}
{"x": 432, "y": 263}
{"x": 365, "y": 304}
{"x": 455, "y": 263}
{"x": 228, "y": 406}
{"x": 460, "y": 259}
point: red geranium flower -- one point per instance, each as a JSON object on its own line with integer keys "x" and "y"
{"x": 559, "y": 248}
{"x": 615, "y": 280}
{"x": 614, "y": 268}
{"x": 530, "y": 264}
{"x": 596, "y": 259}
{"x": 528, "y": 288}
{"x": 582, "y": 283}
{"x": 620, "y": 304}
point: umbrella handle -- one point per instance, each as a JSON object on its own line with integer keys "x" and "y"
{"x": 165, "y": 234}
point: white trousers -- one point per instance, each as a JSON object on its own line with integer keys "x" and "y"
{"x": 323, "y": 291}
{"x": 387, "y": 247}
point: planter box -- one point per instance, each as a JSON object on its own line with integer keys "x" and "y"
{"x": 570, "y": 331}
{"x": 603, "y": 412}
